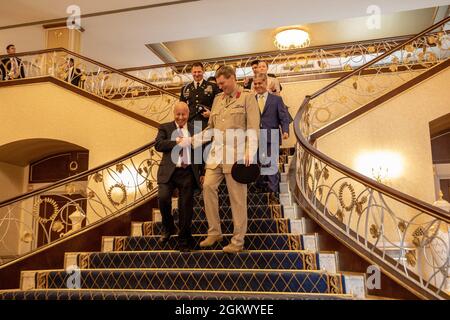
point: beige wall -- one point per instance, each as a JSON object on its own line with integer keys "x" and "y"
{"x": 293, "y": 95}
{"x": 369, "y": 87}
{"x": 400, "y": 125}
{"x": 48, "y": 111}
{"x": 12, "y": 182}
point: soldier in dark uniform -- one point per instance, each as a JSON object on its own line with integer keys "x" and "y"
{"x": 199, "y": 95}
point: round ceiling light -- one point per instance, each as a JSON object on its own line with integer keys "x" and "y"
{"x": 292, "y": 39}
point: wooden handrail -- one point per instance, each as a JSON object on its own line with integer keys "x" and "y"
{"x": 112, "y": 70}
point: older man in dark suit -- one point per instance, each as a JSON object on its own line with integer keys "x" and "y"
{"x": 274, "y": 126}
{"x": 177, "y": 170}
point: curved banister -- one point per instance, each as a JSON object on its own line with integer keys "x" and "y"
{"x": 368, "y": 216}
{"x": 112, "y": 70}
{"x": 379, "y": 58}
{"x": 400, "y": 196}
{"x": 126, "y": 91}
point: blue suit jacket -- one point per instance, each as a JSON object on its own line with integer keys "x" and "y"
{"x": 274, "y": 115}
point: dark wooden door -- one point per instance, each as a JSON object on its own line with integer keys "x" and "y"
{"x": 445, "y": 188}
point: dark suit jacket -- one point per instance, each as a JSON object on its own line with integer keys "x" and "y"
{"x": 76, "y": 77}
{"x": 165, "y": 144}
{"x": 274, "y": 115}
{"x": 204, "y": 95}
{"x": 5, "y": 68}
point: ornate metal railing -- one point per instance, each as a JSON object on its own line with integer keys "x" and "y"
{"x": 374, "y": 219}
{"x": 41, "y": 217}
{"x": 131, "y": 93}
{"x": 284, "y": 63}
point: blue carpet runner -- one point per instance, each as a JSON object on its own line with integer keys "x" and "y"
{"x": 273, "y": 264}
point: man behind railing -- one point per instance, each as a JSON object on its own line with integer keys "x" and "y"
{"x": 11, "y": 68}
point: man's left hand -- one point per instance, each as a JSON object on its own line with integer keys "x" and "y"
{"x": 285, "y": 136}
{"x": 247, "y": 160}
{"x": 206, "y": 114}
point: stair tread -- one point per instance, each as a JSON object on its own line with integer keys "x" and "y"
{"x": 102, "y": 294}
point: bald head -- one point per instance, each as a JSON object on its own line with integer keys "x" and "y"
{"x": 181, "y": 113}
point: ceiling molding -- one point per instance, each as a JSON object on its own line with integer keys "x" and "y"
{"x": 100, "y": 13}
{"x": 59, "y": 25}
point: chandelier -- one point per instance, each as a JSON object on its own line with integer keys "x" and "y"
{"x": 292, "y": 39}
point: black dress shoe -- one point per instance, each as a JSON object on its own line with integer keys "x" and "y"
{"x": 185, "y": 248}
{"x": 187, "y": 245}
{"x": 165, "y": 236}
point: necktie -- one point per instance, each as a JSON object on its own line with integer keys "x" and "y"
{"x": 197, "y": 84}
{"x": 261, "y": 102}
{"x": 183, "y": 153}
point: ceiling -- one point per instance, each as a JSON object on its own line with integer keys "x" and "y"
{"x": 28, "y": 11}
{"x": 118, "y": 38}
{"x": 322, "y": 33}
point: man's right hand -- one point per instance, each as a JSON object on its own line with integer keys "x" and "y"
{"x": 183, "y": 141}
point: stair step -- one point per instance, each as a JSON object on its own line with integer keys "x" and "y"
{"x": 205, "y": 280}
{"x": 253, "y": 212}
{"x": 252, "y": 200}
{"x": 251, "y": 188}
{"x": 92, "y": 294}
{"x": 201, "y": 226}
{"x": 300, "y": 260}
{"x": 252, "y": 242}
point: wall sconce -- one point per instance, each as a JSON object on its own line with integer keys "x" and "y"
{"x": 380, "y": 165}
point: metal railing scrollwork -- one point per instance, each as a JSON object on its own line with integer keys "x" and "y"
{"x": 131, "y": 93}
{"x": 41, "y": 217}
{"x": 407, "y": 238}
{"x": 318, "y": 60}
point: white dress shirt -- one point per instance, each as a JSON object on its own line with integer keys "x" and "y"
{"x": 185, "y": 132}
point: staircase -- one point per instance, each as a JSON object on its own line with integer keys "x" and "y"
{"x": 281, "y": 260}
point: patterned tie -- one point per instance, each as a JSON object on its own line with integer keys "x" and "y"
{"x": 261, "y": 102}
{"x": 183, "y": 153}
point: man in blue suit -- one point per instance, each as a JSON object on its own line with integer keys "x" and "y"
{"x": 274, "y": 127}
